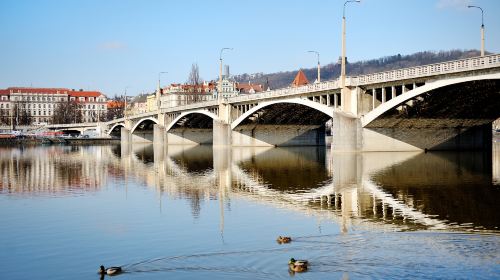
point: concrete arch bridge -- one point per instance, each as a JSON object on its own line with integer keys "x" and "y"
{"x": 448, "y": 105}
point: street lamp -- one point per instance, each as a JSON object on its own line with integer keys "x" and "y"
{"x": 342, "y": 72}
{"x": 319, "y": 66}
{"x": 158, "y": 92}
{"x": 482, "y": 27}
{"x": 219, "y": 94}
{"x": 125, "y": 105}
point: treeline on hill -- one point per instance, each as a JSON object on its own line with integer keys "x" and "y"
{"x": 332, "y": 70}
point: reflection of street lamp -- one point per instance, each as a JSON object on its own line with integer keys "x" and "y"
{"x": 158, "y": 92}
{"x": 342, "y": 73}
{"x": 482, "y": 28}
{"x": 319, "y": 67}
{"x": 220, "y": 73}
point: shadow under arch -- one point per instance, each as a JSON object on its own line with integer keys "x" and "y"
{"x": 191, "y": 128}
{"x": 293, "y": 122}
{"x": 142, "y": 131}
{"x": 116, "y": 130}
{"x": 450, "y": 115}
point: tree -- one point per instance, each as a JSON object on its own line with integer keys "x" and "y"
{"x": 21, "y": 113}
{"x": 5, "y": 116}
{"x": 195, "y": 81}
{"x": 116, "y": 107}
{"x": 68, "y": 112}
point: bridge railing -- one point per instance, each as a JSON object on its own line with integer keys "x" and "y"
{"x": 329, "y": 85}
{"x": 73, "y": 125}
{"x": 467, "y": 64}
{"x": 197, "y": 105}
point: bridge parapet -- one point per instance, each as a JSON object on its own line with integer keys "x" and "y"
{"x": 448, "y": 67}
{"x": 198, "y": 105}
{"x": 329, "y": 85}
{"x": 73, "y": 125}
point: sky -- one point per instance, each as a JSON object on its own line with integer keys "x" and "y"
{"x": 118, "y": 46}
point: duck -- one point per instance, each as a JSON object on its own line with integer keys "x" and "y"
{"x": 298, "y": 265}
{"x": 283, "y": 239}
{"x": 113, "y": 270}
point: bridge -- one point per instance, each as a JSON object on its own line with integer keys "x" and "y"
{"x": 442, "y": 106}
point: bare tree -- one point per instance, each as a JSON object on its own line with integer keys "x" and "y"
{"x": 21, "y": 114}
{"x": 4, "y": 116}
{"x": 116, "y": 108}
{"x": 195, "y": 81}
{"x": 68, "y": 112}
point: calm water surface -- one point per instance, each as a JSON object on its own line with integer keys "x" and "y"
{"x": 199, "y": 212}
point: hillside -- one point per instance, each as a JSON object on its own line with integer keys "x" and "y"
{"x": 332, "y": 70}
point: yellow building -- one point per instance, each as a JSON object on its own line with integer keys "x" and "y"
{"x": 151, "y": 103}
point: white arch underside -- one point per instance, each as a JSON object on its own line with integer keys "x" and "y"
{"x": 183, "y": 114}
{"x": 382, "y": 108}
{"x": 306, "y": 102}
{"x": 142, "y": 120}
{"x": 114, "y": 126}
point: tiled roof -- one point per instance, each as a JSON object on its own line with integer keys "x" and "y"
{"x": 84, "y": 93}
{"x": 37, "y": 90}
{"x": 243, "y": 87}
{"x": 115, "y": 104}
{"x": 50, "y": 91}
{"x": 300, "y": 79}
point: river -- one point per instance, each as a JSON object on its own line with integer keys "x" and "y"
{"x": 191, "y": 212}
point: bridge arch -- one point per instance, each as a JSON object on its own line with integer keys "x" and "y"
{"x": 116, "y": 125}
{"x": 142, "y": 121}
{"x": 184, "y": 114}
{"x": 429, "y": 86}
{"x": 329, "y": 111}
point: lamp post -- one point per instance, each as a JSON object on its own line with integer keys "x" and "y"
{"x": 482, "y": 27}
{"x": 125, "y": 104}
{"x": 219, "y": 94}
{"x": 342, "y": 71}
{"x": 319, "y": 66}
{"x": 158, "y": 91}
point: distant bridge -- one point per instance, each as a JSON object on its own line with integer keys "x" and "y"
{"x": 448, "y": 105}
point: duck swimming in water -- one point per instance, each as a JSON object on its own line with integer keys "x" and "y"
{"x": 297, "y": 265}
{"x": 113, "y": 270}
{"x": 283, "y": 239}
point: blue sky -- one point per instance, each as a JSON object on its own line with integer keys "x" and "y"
{"x": 110, "y": 45}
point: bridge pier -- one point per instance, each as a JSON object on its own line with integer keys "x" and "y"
{"x": 221, "y": 134}
{"x": 346, "y": 131}
{"x": 126, "y": 136}
{"x": 158, "y": 137}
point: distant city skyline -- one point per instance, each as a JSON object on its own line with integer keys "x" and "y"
{"x": 113, "y": 46}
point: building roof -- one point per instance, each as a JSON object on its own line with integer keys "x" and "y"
{"x": 246, "y": 88}
{"x": 300, "y": 79}
{"x": 37, "y": 90}
{"x": 140, "y": 99}
{"x": 32, "y": 90}
{"x": 115, "y": 104}
{"x": 84, "y": 93}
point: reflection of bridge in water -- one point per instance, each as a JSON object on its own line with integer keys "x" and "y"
{"x": 394, "y": 190}
{"x": 347, "y": 195}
